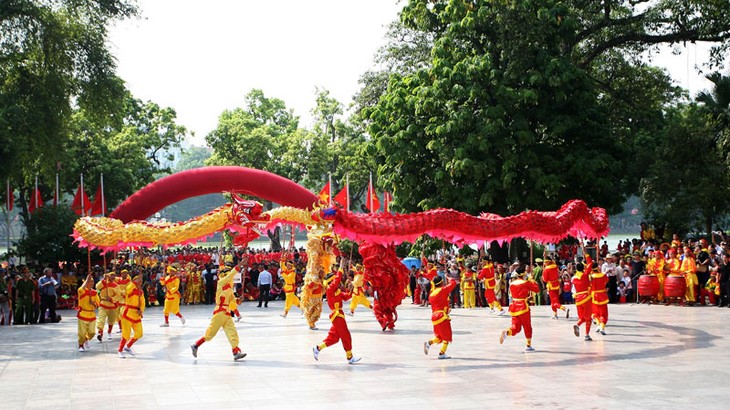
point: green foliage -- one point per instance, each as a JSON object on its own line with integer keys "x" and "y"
{"x": 48, "y": 238}
{"x": 527, "y": 104}
{"x": 689, "y": 186}
{"x": 129, "y": 152}
{"x": 53, "y": 58}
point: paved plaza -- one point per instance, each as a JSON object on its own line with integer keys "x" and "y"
{"x": 652, "y": 357}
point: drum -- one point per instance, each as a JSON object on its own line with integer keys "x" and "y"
{"x": 675, "y": 286}
{"x": 648, "y": 285}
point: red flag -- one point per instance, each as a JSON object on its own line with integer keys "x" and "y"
{"x": 36, "y": 201}
{"x": 324, "y": 194}
{"x": 373, "y": 203}
{"x": 77, "y": 205}
{"x": 98, "y": 207}
{"x": 342, "y": 197}
{"x": 388, "y": 199}
{"x": 9, "y": 198}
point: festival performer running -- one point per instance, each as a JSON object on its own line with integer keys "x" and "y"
{"x": 339, "y": 331}
{"x": 520, "y": 289}
{"x": 122, "y": 280}
{"x": 487, "y": 275}
{"x": 582, "y": 296}
{"x": 221, "y": 317}
{"x": 358, "y": 292}
{"x": 290, "y": 284}
{"x": 599, "y": 281}
{"x": 171, "y": 282}
{"x": 88, "y": 300}
{"x": 108, "y": 291}
{"x": 134, "y": 305}
{"x": 439, "y": 300}
{"x": 551, "y": 277}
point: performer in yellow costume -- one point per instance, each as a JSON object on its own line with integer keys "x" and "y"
{"x": 688, "y": 268}
{"x": 88, "y": 300}
{"x": 468, "y": 286}
{"x": 108, "y": 290}
{"x": 194, "y": 290}
{"x": 123, "y": 280}
{"x": 221, "y": 318}
{"x": 290, "y": 284}
{"x": 171, "y": 282}
{"x": 358, "y": 291}
{"x": 655, "y": 266}
{"x": 134, "y": 304}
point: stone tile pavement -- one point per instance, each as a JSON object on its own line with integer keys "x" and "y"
{"x": 652, "y": 357}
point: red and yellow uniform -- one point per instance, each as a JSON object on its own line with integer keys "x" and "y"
{"x": 490, "y": 283}
{"x": 688, "y": 268}
{"x": 194, "y": 290}
{"x": 519, "y": 309}
{"x": 599, "y": 281}
{"x": 551, "y": 277}
{"x": 358, "y": 292}
{"x": 339, "y": 330}
{"x": 221, "y": 317}
{"x": 123, "y": 280}
{"x": 88, "y": 300}
{"x": 171, "y": 282}
{"x": 108, "y": 291}
{"x": 134, "y": 305}
{"x": 583, "y": 298}
{"x": 655, "y": 266}
{"x": 289, "y": 274}
{"x": 440, "y": 319}
{"x": 468, "y": 287}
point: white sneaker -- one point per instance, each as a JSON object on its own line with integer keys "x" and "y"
{"x": 81, "y": 349}
{"x": 426, "y": 346}
{"x": 554, "y": 317}
{"x": 529, "y": 349}
{"x": 315, "y": 351}
{"x": 129, "y": 351}
{"x": 87, "y": 346}
{"x": 182, "y": 319}
{"x": 349, "y": 314}
{"x": 238, "y": 356}
{"x": 353, "y": 360}
{"x": 502, "y": 312}
{"x": 576, "y": 330}
{"x": 121, "y": 355}
{"x": 444, "y": 356}
{"x": 108, "y": 336}
{"x": 491, "y": 311}
{"x": 165, "y": 325}
{"x": 283, "y": 315}
{"x": 238, "y": 318}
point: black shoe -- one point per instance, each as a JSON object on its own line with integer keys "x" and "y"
{"x": 98, "y": 337}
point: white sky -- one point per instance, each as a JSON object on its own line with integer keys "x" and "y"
{"x": 202, "y": 57}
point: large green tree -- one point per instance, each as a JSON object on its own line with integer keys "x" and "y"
{"x": 527, "y": 104}
{"x": 688, "y": 185}
{"x": 53, "y": 59}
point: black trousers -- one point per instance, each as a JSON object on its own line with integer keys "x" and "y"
{"x": 209, "y": 293}
{"x": 264, "y": 294}
{"x": 612, "y": 289}
{"x": 47, "y": 302}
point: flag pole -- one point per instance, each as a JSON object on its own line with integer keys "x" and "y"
{"x": 329, "y": 182}
{"x": 370, "y": 191}
{"x": 83, "y": 211}
{"x": 7, "y": 214}
{"x": 103, "y": 201}
{"x": 347, "y": 191}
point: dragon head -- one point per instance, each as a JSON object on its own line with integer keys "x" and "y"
{"x": 247, "y": 213}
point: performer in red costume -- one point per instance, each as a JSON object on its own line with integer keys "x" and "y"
{"x": 439, "y": 299}
{"x": 520, "y": 289}
{"x": 487, "y": 275}
{"x": 551, "y": 277}
{"x": 599, "y": 280}
{"x": 339, "y": 331}
{"x": 583, "y": 299}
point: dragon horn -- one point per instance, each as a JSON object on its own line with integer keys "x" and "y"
{"x": 237, "y": 199}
